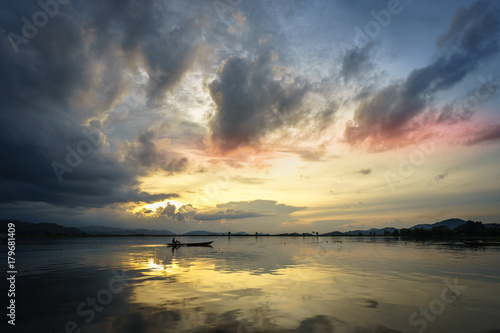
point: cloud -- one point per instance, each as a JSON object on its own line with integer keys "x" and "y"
{"x": 357, "y": 62}
{"x": 264, "y": 206}
{"x": 169, "y": 212}
{"x": 442, "y": 176}
{"x": 228, "y": 214}
{"x": 248, "y": 180}
{"x": 251, "y": 102}
{"x": 251, "y": 215}
{"x": 248, "y": 215}
{"x": 76, "y": 69}
{"x": 364, "y": 171}
{"x": 238, "y": 25}
{"x": 155, "y": 154}
{"x": 453, "y": 113}
{"x": 487, "y": 134}
{"x": 311, "y": 155}
{"x": 180, "y": 214}
{"x": 389, "y": 117}
{"x": 226, "y": 211}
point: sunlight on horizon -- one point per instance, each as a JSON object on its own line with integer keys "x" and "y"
{"x": 156, "y": 205}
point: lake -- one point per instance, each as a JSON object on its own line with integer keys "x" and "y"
{"x": 256, "y": 284}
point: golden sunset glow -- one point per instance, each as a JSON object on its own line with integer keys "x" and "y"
{"x": 160, "y": 204}
{"x": 199, "y": 120}
{"x": 250, "y": 165}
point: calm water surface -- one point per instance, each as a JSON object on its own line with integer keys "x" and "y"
{"x": 256, "y": 284}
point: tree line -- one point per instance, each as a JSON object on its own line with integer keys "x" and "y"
{"x": 469, "y": 229}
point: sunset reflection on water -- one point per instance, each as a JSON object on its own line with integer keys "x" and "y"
{"x": 268, "y": 284}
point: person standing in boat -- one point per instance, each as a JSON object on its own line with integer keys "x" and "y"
{"x": 173, "y": 241}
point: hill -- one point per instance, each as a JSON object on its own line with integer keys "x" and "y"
{"x": 450, "y": 223}
{"x": 202, "y": 233}
{"x": 448, "y": 227}
{"x": 455, "y": 225}
{"x": 110, "y": 231}
{"x": 372, "y": 232}
{"x": 43, "y": 229}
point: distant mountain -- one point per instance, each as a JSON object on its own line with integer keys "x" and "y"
{"x": 372, "y": 231}
{"x": 290, "y": 234}
{"x": 51, "y": 229}
{"x": 450, "y": 223}
{"x": 202, "y": 233}
{"x": 98, "y": 230}
{"x": 43, "y": 229}
{"x": 333, "y": 233}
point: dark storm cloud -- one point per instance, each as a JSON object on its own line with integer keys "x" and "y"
{"x": 251, "y": 102}
{"x": 76, "y": 67}
{"x": 27, "y": 175}
{"x": 471, "y": 37}
{"x": 164, "y": 35}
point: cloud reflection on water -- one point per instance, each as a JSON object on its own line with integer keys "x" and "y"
{"x": 260, "y": 285}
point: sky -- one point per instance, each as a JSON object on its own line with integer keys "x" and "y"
{"x": 255, "y": 116}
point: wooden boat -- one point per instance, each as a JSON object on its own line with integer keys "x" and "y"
{"x": 480, "y": 243}
{"x": 190, "y": 244}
